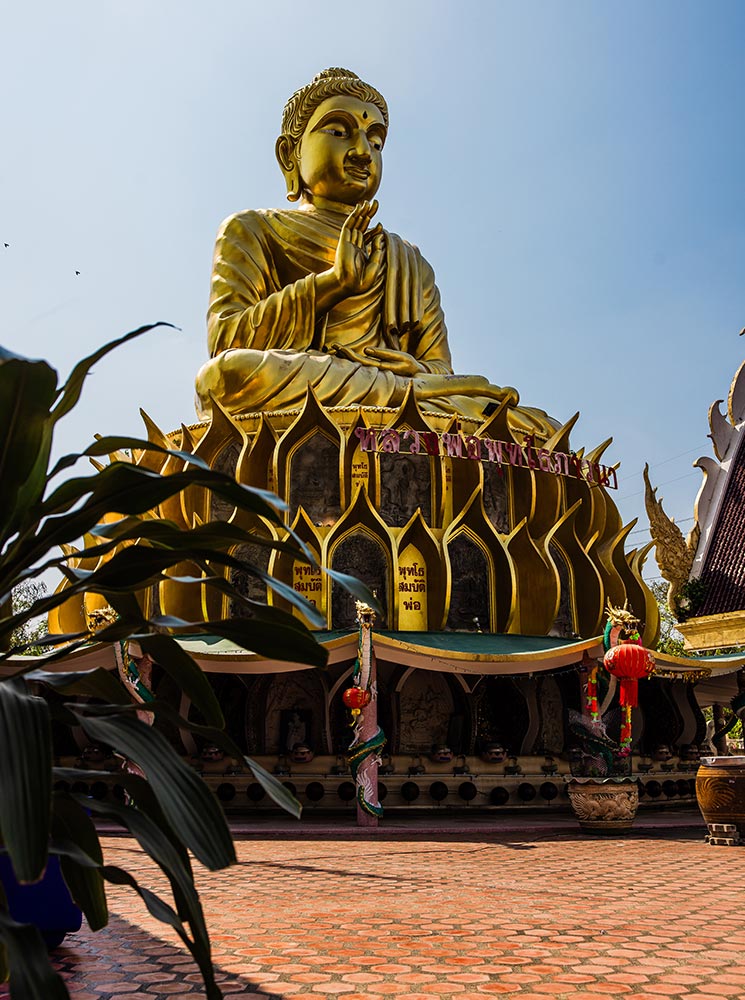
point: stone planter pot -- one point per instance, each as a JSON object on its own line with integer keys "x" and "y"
{"x": 46, "y": 903}
{"x": 720, "y": 791}
{"x": 604, "y": 805}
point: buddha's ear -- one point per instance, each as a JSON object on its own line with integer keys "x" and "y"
{"x": 285, "y": 152}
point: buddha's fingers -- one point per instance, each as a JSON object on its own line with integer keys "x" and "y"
{"x": 353, "y": 220}
{"x": 378, "y": 249}
{"x": 368, "y": 210}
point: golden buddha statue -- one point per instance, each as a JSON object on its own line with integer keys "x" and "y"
{"x": 317, "y": 296}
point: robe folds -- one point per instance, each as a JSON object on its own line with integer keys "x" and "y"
{"x": 268, "y": 344}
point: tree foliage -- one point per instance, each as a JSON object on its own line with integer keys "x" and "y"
{"x": 170, "y": 811}
{"x": 670, "y": 641}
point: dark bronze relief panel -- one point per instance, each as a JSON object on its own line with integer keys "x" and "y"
{"x": 427, "y": 707}
{"x": 246, "y": 583}
{"x": 227, "y": 462}
{"x": 405, "y": 485}
{"x": 363, "y": 557}
{"x": 496, "y": 500}
{"x": 564, "y": 622}
{"x": 469, "y": 591}
{"x": 314, "y": 480}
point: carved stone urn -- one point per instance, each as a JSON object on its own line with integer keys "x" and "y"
{"x": 604, "y": 805}
{"x": 720, "y": 791}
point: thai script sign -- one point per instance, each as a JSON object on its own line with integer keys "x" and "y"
{"x": 307, "y": 580}
{"x": 476, "y": 449}
{"x": 412, "y": 580}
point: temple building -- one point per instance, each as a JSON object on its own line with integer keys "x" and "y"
{"x": 489, "y": 542}
{"x": 706, "y": 570}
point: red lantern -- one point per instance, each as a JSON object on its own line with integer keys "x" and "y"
{"x": 629, "y": 661}
{"x": 356, "y": 698}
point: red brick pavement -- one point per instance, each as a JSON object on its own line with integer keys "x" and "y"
{"x": 641, "y": 918}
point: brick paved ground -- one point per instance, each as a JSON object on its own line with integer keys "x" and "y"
{"x": 561, "y": 915}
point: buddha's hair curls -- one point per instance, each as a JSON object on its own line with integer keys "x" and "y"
{"x": 333, "y": 82}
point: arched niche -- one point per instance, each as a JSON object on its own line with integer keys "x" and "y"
{"x": 227, "y": 462}
{"x": 405, "y": 487}
{"x": 497, "y": 495}
{"x": 359, "y": 553}
{"x": 285, "y": 709}
{"x": 406, "y": 478}
{"x": 564, "y": 624}
{"x": 213, "y": 447}
{"x": 419, "y": 559}
{"x": 302, "y": 576}
{"x": 358, "y": 536}
{"x": 663, "y": 723}
{"x": 469, "y": 607}
{"x": 426, "y": 708}
{"x": 469, "y": 578}
{"x": 314, "y": 479}
{"x": 307, "y": 463}
{"x": 247, "y": 584}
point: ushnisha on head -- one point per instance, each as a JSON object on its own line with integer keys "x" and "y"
{"x": 333, "y": 131}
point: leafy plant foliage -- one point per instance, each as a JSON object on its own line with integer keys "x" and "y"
{"x": 170, "y": 810}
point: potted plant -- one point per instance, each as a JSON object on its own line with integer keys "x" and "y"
{"x": 45, "y": 824}
{"x": 602, "y": 792}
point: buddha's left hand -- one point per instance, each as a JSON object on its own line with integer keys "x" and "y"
{"x": 398, "y": 362}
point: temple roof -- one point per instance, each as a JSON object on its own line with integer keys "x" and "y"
{"x": 719, "y": 559}
{"x": 475, "y": 653}
{"x": 723, "y": 572}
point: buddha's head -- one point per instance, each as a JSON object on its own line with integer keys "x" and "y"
{"x": 331, "y": 146}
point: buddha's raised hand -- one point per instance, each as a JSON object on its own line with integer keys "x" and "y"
{"x": 358, "y": 253}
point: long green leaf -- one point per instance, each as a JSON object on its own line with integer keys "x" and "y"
{"x": 95, "y": 683}
{"x": 31, "y": 975}
{"x": 125, "y": 489}
{"x": 199, "y": 945}
{"x": 166, "y": 915}
{"x": 214, "y": 534}
{"x": 141, "y": 792}
{"x": 274, "y": 788}
{"x": 355, "y": 587}
{"x": 177, "y": 663}
{"x": 113, "y": 443}
{"x": 187, "y": 803}
{"x": 271, "y": 785}
{"x": 71, "y": 822}
{"x": 70, "y": 392}
{"x": 278, "y": 643}
{"x": 27, "y": 390}
{"x": 25, "y": 778}
{"x": 171, "y": 862}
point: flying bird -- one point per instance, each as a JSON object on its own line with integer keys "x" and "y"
{"x": 7, "y": 244}
{"x": 77, "y": 272}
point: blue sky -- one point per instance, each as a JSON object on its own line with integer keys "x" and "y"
{"x": 573, "y": 171}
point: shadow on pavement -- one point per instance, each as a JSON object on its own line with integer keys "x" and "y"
{"x": 112, "y": 963}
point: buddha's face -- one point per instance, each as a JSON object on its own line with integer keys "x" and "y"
{"x": 341, "y": 152}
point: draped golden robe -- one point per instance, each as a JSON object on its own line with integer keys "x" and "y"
{"x": 268, "y": 345}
